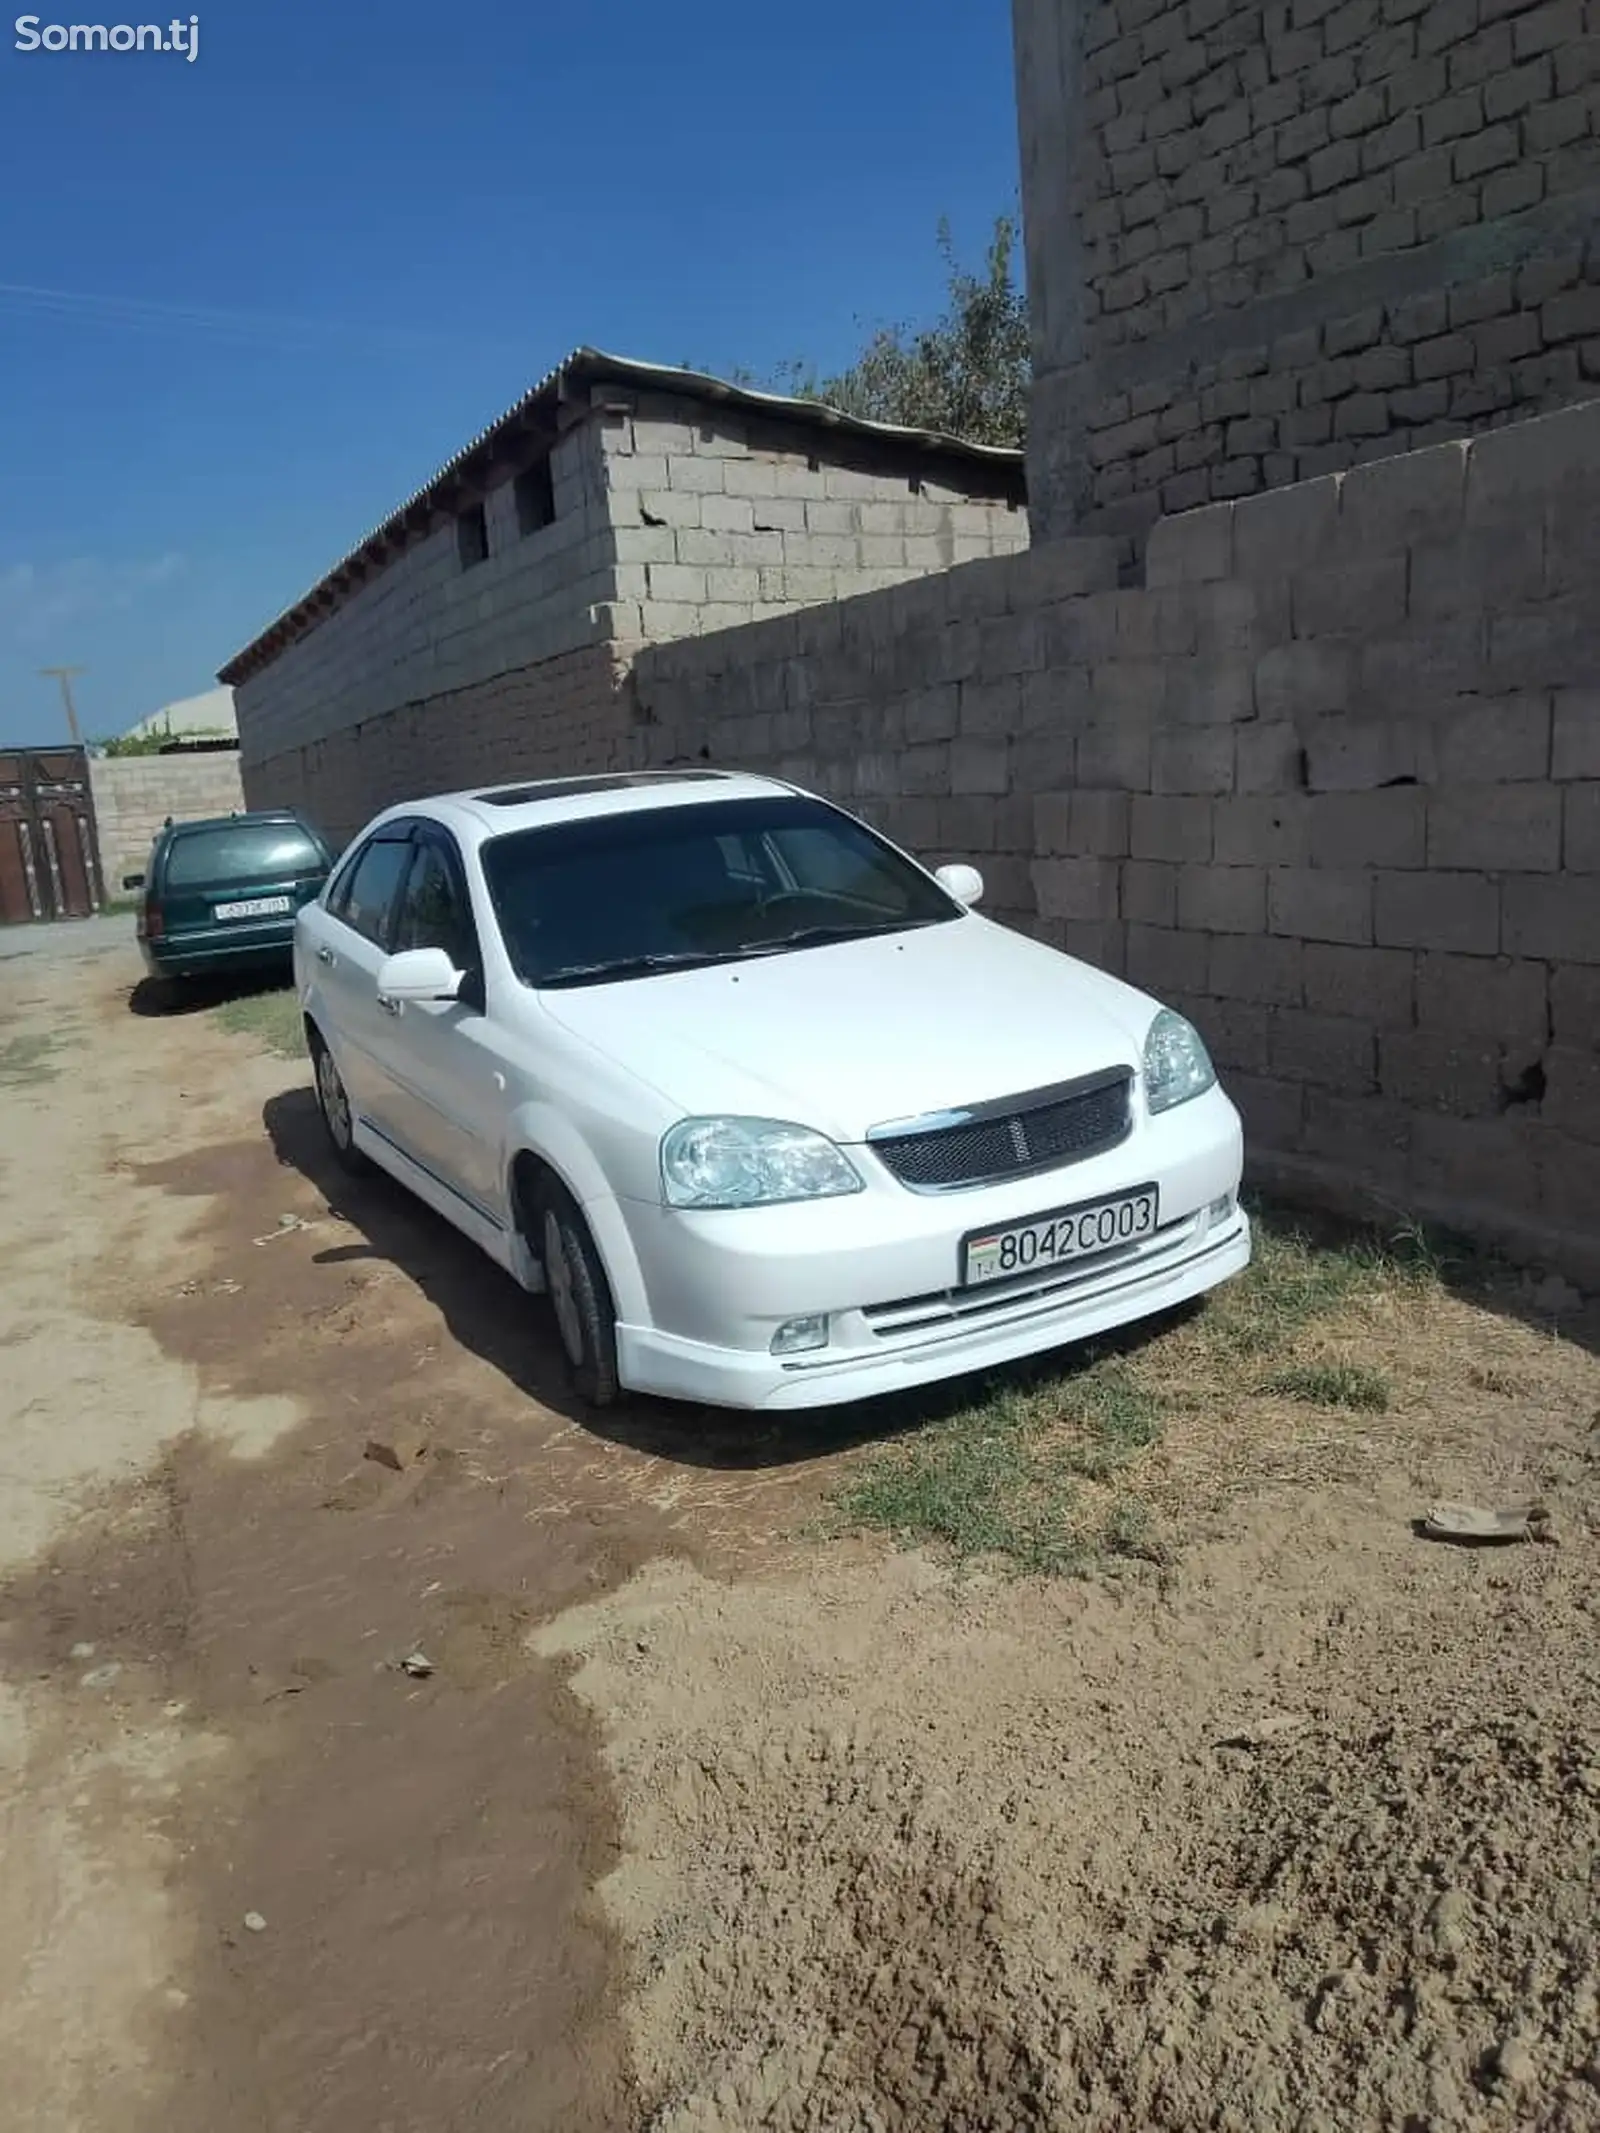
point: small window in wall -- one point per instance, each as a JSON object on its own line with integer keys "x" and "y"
{"x": 472, "y": 536}
{"x": 536, "y": 497}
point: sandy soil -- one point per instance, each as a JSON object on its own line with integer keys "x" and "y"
{"x": 205, "y": 1586}
{"x": 700, "y": 1823}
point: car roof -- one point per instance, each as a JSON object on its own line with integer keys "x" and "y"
{"x": 211, "y": 822}
{"x": 491, "y": 810}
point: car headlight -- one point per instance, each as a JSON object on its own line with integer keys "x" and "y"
{"x": 1177, "y": 1065}
{"x": 750, "y": 1162}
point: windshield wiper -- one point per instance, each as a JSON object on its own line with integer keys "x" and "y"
{"x": 643, "y": 966}
{"x": 827, "y": 936}
{"x": 634, "y": 966}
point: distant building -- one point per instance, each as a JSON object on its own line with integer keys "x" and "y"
{"x": 210, "y": 716}
{"x": 488, "y": 628}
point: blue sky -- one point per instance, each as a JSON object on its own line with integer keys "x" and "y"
{"x": 282, "y": 283}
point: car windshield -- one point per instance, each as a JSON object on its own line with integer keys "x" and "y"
{"x": 672, "y": 888}
{"x": 242, "y": 851}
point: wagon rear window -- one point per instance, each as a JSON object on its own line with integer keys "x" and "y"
{"x": 242, "y": 851}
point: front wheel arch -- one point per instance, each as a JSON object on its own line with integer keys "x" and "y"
{"x": 540, "y": 1141}
{"x": 580, "y": 1293}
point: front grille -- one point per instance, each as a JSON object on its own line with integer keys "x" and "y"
{"x": 1012, "y": 1141}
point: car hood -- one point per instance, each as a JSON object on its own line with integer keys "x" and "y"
{"x": 865, "y": 1033}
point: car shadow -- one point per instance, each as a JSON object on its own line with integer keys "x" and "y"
{"x": 488, "y": 1314}
{"x": 1472, "y": 1272}
{"x": 161, "y": 999}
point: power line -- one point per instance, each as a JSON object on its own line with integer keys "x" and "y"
{"x": 142, "y": 314}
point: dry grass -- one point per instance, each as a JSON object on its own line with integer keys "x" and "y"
{"x": 271, "y": 1019}
{"x": 1333, "y": 1384}
{"x": 1280, "y": 1377}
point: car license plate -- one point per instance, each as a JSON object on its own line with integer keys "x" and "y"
{"x": 255, "y": 907}
{"x": 1070, "y": 1233}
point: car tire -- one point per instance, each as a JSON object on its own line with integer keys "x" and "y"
{"x": 578, "y": 1293}
{"x": 333, "y": 1107}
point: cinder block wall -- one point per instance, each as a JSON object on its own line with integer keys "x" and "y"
{"x": 723, "y": 517}
{"x": 672, "y": 517}
{"x": 564, "y": 715}
{"x": 427, "y": 627}
{"x": 1270, "y": 241}
{"x": 134, "y": 794}
{"x": 1329, "y": 782}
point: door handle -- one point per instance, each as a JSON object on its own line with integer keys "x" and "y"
{"x": 324, "y": 955}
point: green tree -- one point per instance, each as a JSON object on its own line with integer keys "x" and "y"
{"x": 966, "y": 374}
{"x": 121, "y": 744}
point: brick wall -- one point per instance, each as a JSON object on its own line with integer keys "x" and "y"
{"x": 134, "y": 794}
{"x": 564, "y": 715}
{"x": 1329, "y": 781}
{"x": 429, "y": 627}
{"x": 672, "y": 517}
{"x": 1270, "y": 241}
{"x": 721, "y": 517}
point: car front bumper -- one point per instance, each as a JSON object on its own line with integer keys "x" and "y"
{"x": 883, "y": 1267}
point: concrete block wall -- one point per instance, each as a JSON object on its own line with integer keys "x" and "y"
{"x": 563, "y": 716}
{"x": 928, "y": 707}
{"x": 1271, "y": 239}
{"x": 427, "y": 627}
{"x": 672, "y": 517}
{"x": 1328, "y": 781}
{"x": 720, "y": 517}
{"x": 134, "y": 794}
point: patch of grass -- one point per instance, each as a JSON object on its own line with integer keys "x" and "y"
{"x": 25, "y": 1061}
{"x": 1056, "y": 1473}
{"x": 1353, "y": 1385}
{"x": 1295, "y": 1278}
{"x": 1020, "y": 1473}
{"x": 272, "y": 1019}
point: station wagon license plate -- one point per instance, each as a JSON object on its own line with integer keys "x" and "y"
{"x": 1069, "y": 1233}
{"x": 255, "y": 907}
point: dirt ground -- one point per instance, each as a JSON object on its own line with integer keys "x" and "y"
{"x": 702, "y": 1822}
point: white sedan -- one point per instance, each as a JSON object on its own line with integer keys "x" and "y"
{"x": 771, "y": 1116}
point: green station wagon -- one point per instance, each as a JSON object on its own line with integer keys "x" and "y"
{"x": 220, "y": 896}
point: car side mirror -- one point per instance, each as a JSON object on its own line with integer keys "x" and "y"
{"x": 133, "y": 881}
{"x": 419, "y": 974}
{"x": 965, "y": 884}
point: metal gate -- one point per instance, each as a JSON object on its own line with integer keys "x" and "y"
{"x": 49, "y": 862}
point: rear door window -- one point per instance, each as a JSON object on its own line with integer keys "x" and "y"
{"x": 242, "y": 852}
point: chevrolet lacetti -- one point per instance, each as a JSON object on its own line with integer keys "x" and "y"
{"x": 768, "y": 1112}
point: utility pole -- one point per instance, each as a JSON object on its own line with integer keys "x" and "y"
{"x": 64, "y": 676}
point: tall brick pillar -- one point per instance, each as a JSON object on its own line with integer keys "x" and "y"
{"x": 1049, "y": 63}
{"x": 1273, "y": 239}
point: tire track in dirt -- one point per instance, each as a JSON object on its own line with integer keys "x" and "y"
{"x": 195, "y": 1404}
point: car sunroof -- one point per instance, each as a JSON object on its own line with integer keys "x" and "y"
{"x": 617, "y": 781}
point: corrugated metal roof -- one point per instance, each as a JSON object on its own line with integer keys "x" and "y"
{"x": 585, "y": 366}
